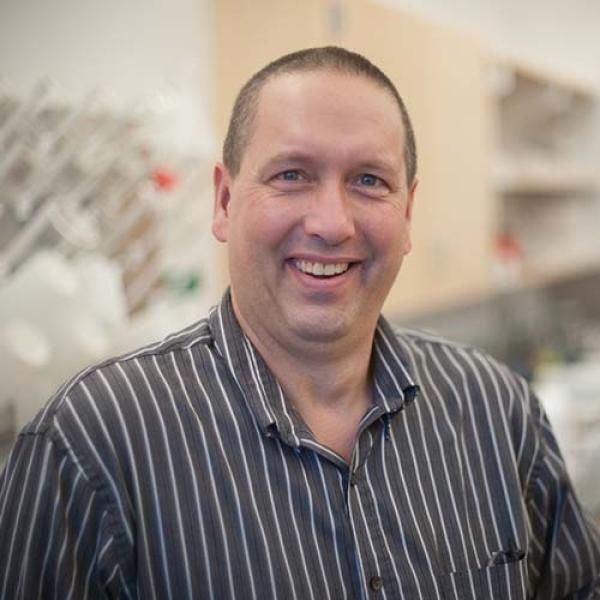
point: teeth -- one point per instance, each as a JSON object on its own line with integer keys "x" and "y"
{"x": 320, "y": 269}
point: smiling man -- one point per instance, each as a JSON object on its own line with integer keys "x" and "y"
{"x": 317, "y": 222}
{"x": 292, "y": 444}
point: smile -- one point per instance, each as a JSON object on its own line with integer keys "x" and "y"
{"x": 318, "y": 269}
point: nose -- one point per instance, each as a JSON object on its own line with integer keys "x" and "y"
{"x": 329, "y": 215}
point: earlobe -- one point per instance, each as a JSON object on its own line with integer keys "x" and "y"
{"x": 222, "y": 195}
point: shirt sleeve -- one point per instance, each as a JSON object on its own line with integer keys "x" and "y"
{"x": 58, "y": 537}
{"x": 564, "y": 550}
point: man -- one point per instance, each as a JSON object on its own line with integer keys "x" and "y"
{"x": 292, "y": 445}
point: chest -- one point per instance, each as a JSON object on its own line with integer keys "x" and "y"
{"x": 425, "y": 508}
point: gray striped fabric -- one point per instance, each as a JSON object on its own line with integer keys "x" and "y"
{"x": 180, "y": 471}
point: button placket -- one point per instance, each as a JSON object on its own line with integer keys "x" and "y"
{"x": 379, "y": 564}
{"x": 357, "y": 477}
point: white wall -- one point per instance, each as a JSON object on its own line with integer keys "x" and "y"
{"x": 550, "y": 33}
{"x": 138, "y": 54}
{"x": 138, "y": 48}
{"x": 134, "y": 51}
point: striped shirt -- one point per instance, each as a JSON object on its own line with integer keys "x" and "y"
{"x": 181, "y": 471}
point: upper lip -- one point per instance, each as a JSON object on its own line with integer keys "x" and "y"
{"x": 325, "y": 260}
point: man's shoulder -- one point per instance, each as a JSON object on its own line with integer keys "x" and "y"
{"x": 422, "y": 337}
{"x": 103, "y": 381}
{"x": 455, "y": 374}
{"x": 436, "y": 354}
{"x": 420, "y": 341}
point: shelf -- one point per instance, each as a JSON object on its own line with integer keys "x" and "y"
{"x": 546, "y": 185}
{"x": 508, "y": 69}
{"x": 534, "y": 277}
{"x": 557, "y": 183}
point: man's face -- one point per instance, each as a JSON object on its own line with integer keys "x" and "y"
{"x": 317, "y": 219}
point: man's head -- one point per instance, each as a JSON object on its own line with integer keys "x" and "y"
{"x": 317, "y": 216}
{"x": 328, "y": 58}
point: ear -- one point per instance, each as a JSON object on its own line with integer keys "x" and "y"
{"x": 222, "y": 193}
{"x": 408, "y": 215}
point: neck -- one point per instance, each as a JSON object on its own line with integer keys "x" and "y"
{"x": 327, "y": 383}
{"x": 335, "y": 381}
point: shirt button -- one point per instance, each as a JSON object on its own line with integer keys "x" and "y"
{"x": 376, "y": 583}
{"x": 353, "y": 479}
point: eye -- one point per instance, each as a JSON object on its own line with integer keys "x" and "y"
{"x": 369, "y": 180}
{"x": 290, "y": 180}
{"x": 290, "y": 175}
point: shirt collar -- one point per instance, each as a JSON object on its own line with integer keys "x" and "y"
{"x": 393, "y": 382}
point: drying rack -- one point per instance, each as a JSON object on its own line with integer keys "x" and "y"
{"x": 84, "y": 178}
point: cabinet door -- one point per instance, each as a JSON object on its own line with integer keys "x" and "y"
{"x": 248, "y": 35}
{"x": 441, "y": 76}
{"x": 251, "y": 33}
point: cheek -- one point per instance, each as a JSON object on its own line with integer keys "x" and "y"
{"x": 261, "y": 249}
{"x": 388, "y": 232}
{"x": 266, "y": 224}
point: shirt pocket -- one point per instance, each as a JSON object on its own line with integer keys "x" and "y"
{"x": 497, "y": 582}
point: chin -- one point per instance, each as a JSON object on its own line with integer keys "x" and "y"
{"x": 323, "y": 327}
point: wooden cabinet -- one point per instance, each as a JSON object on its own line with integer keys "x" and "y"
{"x": 248, "y": 35}
{"x": 443, "y": 78}
{"x": 440, "y": 75}
{"x": 251, "y": 33}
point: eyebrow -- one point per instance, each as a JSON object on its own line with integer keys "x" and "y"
{"x": 291, "y": 156}
{"x": 379, "y": 163}
{"x": 382, "y": 165}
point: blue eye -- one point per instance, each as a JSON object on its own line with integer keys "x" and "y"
{"x": 291, "y": 175}
{"x": 290, "y": 180}
{"x": 369, "y": 180}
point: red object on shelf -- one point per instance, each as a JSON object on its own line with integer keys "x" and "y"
{"x": 164, "y": 178}
{"x": 508, "y": 247}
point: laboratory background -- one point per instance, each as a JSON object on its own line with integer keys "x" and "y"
{"x": 112, "y": 115}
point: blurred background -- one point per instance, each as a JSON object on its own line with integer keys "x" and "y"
{"x": 112, "y": 114}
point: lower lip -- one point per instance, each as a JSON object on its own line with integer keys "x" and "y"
{"x": 323, "y": 283}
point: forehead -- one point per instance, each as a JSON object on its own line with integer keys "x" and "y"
{"x": 328, "y": 108}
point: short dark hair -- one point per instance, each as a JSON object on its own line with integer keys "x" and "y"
{"x": 331, "y": 58}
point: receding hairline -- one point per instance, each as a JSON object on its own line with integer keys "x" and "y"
{"x": 256, "y": 103}
{"x": 329, "y": 59}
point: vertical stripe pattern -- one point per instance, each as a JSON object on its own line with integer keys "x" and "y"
{"x": 181, "y": 471}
